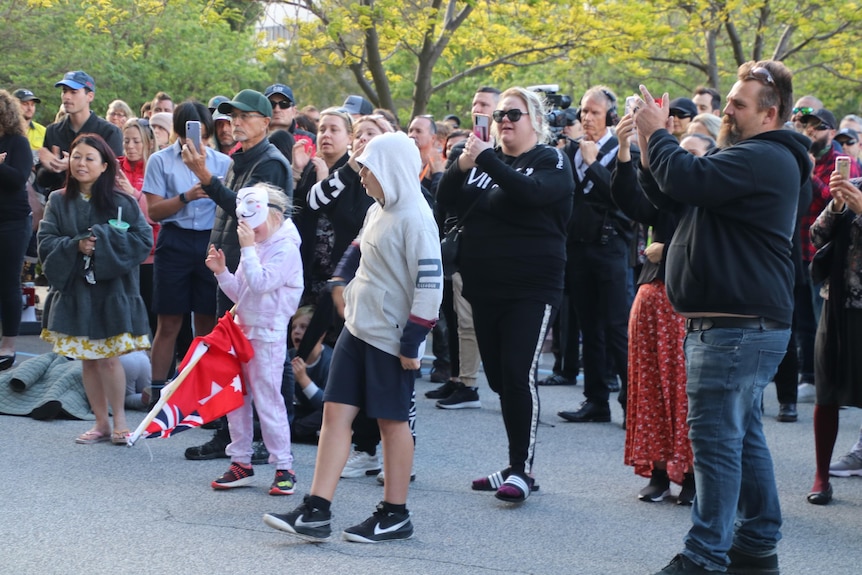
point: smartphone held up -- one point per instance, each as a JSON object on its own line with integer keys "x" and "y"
{"x": 193, "y": 134}
{"x": 482, "y": 127}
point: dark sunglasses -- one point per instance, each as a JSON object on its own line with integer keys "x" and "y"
{"x": 514, "y": 115}
{"x": 850, "y": 142}
{"x": 805, "y": 110}
{"x": 819, "y": 127}
{"x": 763, "y": 75}
{"x": 680, "y": 115}
{"x": 283, "y": 104}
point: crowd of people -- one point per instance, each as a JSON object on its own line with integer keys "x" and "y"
{"x": 651, "y": 243}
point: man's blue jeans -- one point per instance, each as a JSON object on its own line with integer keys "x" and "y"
{"x": 737, "y": 500}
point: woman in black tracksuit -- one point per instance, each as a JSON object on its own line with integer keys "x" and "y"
{"x": 512, "y": 261}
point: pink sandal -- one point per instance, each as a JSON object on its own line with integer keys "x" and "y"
{"x": 92, "y": 436}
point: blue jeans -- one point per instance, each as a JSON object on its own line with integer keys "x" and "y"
{"x": 737, "y": 500}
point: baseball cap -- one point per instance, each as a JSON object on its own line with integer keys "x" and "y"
{"x": 25, "y": 95}
{"x": 357, "y": 105}
{"x": 248, "y": 101}
{"x": 280, "y": 89}
{"x": 847, "y": 134}
{"x": 76, "y": 80}
{"x": 683, "y": 106}
{"x": 215, "y": 101}
{"x": 824, "y": 115}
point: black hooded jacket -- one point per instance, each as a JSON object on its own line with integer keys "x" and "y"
{"x": 731, "y": 252}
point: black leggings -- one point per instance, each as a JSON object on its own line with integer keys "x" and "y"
{"x": 14, "y": 239}
{"x": 510, "y": 335}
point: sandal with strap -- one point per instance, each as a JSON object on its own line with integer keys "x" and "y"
{"x": 92, "y": 436}
{"x": 515, "y": 489}
{"x": 120, "y": 437}
{"x": 494, "y": 481}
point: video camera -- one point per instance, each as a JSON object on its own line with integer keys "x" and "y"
{"x": 559, "y": 114}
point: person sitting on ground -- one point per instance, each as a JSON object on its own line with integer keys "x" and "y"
{"x": 310, "y": 375}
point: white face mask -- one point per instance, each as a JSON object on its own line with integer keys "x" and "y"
{"x": 251, "y": 206}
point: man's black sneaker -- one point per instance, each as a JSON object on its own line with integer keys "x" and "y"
{"x": 212, "y": 449}
{"x": 259, "y": 453}
{"x": 443, "y": 391}
{"x": 745, "y": 564}
{"x": 558, "y": 379}
{"x": 462, "y": 398}
{"x": 381, "y": 526}
{"x": 306, "y": 522}
{"x": 682, "y": 565}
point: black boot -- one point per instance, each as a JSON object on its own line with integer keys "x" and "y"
{"x": 686, "y": 494}
{"x": 658, "y": 488}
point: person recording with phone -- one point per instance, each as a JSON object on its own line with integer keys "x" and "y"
{"x": 518, "y": 191}
{"x": 182, "y": 284}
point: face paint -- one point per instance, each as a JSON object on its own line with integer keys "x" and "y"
{"x": 251, "y": 206}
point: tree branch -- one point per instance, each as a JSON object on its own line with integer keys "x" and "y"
{"x": 697, "y": 65}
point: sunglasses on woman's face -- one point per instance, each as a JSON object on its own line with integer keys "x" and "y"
{"x": 514, "y": 115}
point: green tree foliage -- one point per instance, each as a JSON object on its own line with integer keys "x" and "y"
{"x": 133, "y": 48}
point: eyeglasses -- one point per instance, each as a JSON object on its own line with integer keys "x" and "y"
{"x": 805, "y": 110}
{"x": 514, "y": 115}
{"x": 244, "y": 116}
{"x": 118, "y": 114}
{"x": 680, "y": 115}
{"x": 283, "y": 104}
{"x": 850, "y": 142}
{"x": 818, "y": 127}
{"x": 763, "y": 75}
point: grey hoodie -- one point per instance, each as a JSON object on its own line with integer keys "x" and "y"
{"x": 394, "y": 299}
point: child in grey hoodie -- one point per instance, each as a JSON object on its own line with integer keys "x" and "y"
{"x": 391, "y": 302}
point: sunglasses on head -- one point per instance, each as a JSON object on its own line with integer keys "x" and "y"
{"x": 283, "y": 104}
{"x": 805, "y": 110}
{"x": 761, "y": 74}
{"x": 514, "y": 115}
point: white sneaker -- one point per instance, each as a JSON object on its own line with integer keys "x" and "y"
{"x": 361, "y": 464}
{"x": 381, "y": 479}
{"x": 805, "y": 393}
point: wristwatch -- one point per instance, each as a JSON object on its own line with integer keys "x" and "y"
{"x": 183, "y": 198}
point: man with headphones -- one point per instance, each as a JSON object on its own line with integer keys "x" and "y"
{"x": 597, "y": 271}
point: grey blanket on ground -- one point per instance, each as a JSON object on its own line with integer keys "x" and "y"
{"x": 44, "y": 387}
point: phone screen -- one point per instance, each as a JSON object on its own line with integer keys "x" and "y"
{"x": 482, "y": 126}
{"x": 193, "y": 133}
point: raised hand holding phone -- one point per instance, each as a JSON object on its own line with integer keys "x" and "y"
{"x": 482, "y": 127}
{"x": 193, "y": 134}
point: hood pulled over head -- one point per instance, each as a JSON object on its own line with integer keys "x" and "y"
{"x": 394, "y": 160}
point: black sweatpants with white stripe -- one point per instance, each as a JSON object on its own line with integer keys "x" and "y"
{"x": 510, "y": 334}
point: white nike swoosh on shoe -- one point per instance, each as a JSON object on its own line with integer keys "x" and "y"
{"x": 310, "y": 524}
{"x": 381, "y": 530}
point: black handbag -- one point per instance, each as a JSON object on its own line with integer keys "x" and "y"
{"x": 450, "y": 245}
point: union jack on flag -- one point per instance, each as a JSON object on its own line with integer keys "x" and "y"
{"x": 212, "y": 387}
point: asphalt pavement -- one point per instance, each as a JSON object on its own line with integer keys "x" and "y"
{"x": 104, "y": 509}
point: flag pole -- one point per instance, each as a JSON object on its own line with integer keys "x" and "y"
{"x": 170, "y": 388}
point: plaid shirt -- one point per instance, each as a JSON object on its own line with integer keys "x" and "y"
{"x": 820, "y": 195}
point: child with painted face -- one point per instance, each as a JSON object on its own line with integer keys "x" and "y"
{"x": 266, "y": 287}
